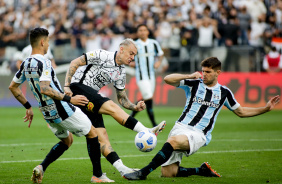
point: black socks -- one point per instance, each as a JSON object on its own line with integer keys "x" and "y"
{"x": 54, "y": 154}
{"x": 94, "y": 152}
{"x": 161, "y": 157}
{"x": 185, "y": 172}
{"x": 130, "y": 123}
{"x": 112, "y": 157}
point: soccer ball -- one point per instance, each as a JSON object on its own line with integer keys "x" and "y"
{"x": 145, "y": 141}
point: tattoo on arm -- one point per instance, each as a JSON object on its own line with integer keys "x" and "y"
{"x": 73, "y": 67}
{"x": 47, "y": 90}
{"x": 124, "y": 101}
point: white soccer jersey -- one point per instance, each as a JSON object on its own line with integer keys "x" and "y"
{"x": 100, "y": 70}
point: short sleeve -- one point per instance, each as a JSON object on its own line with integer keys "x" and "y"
{"x": 46, "y": 72}
{"x": 120, "y": 82}
{"x": 230, "y": 102}
{"x": 20, "y": 75}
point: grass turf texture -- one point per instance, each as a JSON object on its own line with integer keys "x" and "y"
{"x": 245, "y": 150}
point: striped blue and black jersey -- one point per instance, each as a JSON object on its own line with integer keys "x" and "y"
{"x": 34, "y": 69}
{"x": 203, "y": 104}
{"x": 145, "y": 58}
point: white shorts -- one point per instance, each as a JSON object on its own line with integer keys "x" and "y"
{"x": 78, "y": 124}
{"x": 196, "y": 138}
{"x": 147, "y": 88}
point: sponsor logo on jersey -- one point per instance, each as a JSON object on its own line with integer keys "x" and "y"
{"x": 203, "y": 102}
{"x": 90, "y": 107}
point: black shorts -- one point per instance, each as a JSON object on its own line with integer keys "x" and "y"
{"x": 94, "y": 105}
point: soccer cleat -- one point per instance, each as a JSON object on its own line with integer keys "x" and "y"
{"x": 128, "y": 170}
{"x": 137, "y": 175}
{"x": 37, "y": 174}
{"x": 206, "y": 170}
{"x": 157, "y": 129}
{"x": 101, "y": 179}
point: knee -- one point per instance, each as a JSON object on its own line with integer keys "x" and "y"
{"x": 173, "y": 141}
{"x": 68, "y": 141}
{"x": 168, "y": 172}
{"x": 92, "y": 133}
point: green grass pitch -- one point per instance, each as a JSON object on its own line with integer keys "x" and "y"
{"x": 247, "y": 150}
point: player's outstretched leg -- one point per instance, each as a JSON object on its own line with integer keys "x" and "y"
{"x": 37, "y": 174}
{"x": 112, "y": 109}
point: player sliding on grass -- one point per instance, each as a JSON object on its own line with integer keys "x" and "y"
{"x": 205, "y": 98}
{"x": 56, "y": 107}
{"x": 87, "y": 75}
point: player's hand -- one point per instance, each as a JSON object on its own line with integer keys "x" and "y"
{"x": 140, "y": 106}
{"x": 272, "y": 102}
{"x": 28, "y": 116}
{"x": 195, "y": 75}
{"x": 157, "y": 64}
{"x": 68, "y": 91}
{"x": 79, "y": 100}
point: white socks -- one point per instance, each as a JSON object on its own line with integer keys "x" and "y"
{"x": 121, "y": 167}
{"x": 139, "y": 127}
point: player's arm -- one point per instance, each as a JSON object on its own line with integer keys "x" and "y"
{"x": 252, "y": 111}
{"x": 159, "y": 62}
{"x": 80, "y": 61}
{"x": 174, "y": 79}
{"x": 47, "y": 90}
{"x": 17, "y": 92}
{"x": 126, "y": 103}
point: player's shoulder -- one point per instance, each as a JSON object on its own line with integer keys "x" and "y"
{"x": 100, "y": 53}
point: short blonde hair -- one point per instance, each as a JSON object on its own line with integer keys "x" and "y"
{"x": 127, "y": 42}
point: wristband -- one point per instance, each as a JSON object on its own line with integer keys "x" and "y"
{"x": 66, "y": 98}
{"x": 27, "y": 105}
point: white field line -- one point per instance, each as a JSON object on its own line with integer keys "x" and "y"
{"x": 131, "y": 141}
{"x": 143, "y": 155}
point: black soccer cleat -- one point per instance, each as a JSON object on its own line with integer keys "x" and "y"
{"x": 137, "y": 175}
{"x": 206, "y": 170}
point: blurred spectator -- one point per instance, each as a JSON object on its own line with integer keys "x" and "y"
{"x": 244, "y": 22}
{"x": 70, "y": 31}
{"x": 62, "y": 38}
{"x": 77, "y": 38}
{"x": 256, "y": 9}
{"x": 231, "y": 34}
{"x": 272, "y": 62}
{"x": 207, "y": 28}
{"x": 174, "y": 41}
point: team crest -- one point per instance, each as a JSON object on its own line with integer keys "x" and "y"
{"x": 90, "y": 107}
{"x": 216, "y": 97}
{"x": 46, "y": 72}
{"x": 92, "y": 54}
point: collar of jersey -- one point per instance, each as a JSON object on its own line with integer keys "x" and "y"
{"x": 215, "y": 86}
{"x": 115, "y": 59}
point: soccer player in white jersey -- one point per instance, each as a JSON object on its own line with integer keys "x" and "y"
{"x": 64, "y": 118}
{"x": 205, "y": 98}
{"x": 145, "y": 65}
{"x": 87, "y": 75}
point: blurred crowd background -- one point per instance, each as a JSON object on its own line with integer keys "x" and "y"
{"x": 239, "y": 32}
